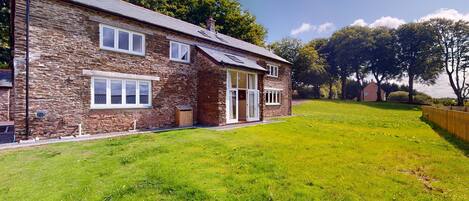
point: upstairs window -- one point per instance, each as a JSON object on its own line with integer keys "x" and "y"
{"x": 179, "y": 52}
{"x": 121, "y": 40}
{"x": 273, "y": 96}
{"x": 273, "y": 70}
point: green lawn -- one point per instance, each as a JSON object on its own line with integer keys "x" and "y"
{"x": 328, "y": 151}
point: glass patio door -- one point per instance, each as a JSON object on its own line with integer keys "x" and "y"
{"x": 252, "y": 98}
{"x": 232, "y": 97}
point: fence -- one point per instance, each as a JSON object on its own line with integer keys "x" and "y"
{"x": 455, "y": 122}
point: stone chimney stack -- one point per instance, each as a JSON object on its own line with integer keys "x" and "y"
{"x": 211, "y": 24}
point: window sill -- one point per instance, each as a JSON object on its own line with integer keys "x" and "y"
{"x": 119, "y": 107}
{"x": 273, "y": 104}
{"x": 123, "y": 51}
{"x": 180, "y": 61}
{"x": 271, "y": 76}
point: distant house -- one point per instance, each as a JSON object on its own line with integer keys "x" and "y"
{"x": 5, "y": 90}
{"x": 110, "y": 66}
{"x": 370, "y": 93}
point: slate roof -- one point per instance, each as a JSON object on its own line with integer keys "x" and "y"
{"x": 5, "y": 78}
{"x": 145, "y": 15}
{"x": 226, "y": 58}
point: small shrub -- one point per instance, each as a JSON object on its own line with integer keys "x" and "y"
{"x": 398, "y": 96}
{"x": 445, "y": 101}
{"x": 423, "y": 99}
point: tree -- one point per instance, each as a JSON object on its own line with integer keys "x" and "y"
{"x": 289, "y": 49}
{"x": 4, "y": 33}
{"x": 231, "y": 19}
{"x": 326, "y": 53}
{"x": 313, "y": 67}
{"x": 418, "y": 55}
{"x": 383, "y": 56}
{"x": 453, "y": 40}
{"x": 350, "y": 46}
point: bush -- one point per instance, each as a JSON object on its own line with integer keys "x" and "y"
{"x": 445, "y": 101}
{"x": 423, "y": 99}
{"x": 399, "y": 96}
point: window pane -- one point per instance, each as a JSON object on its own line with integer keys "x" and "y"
{"x": 144, "y": 92}
{"x": 99, "y": 91}
{"x": 242, "y": 82}
{"x": 130, "y": 89}
{"x": 234, "y": 98}
{"x": 108, "y": 37}
{"x": 116, "y": 92}
{"x": 234, "y": 79}
{"x": 184, "y": 52}
{"x": 174, "y": 51}
{"x": 252, "y": 81}
{"x": 137, "y": 43}
{"x": 123, "y": 40}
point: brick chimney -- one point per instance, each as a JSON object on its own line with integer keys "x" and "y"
{"x": 211, "y": 24}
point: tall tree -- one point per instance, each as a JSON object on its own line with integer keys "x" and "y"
{"x": 289, "y": 49}
{"x": 453, "y": 40}
{"x": 231, "y": 19}
{"x": 418, "y": 55}
{"x": 314, "y": 73}
{"x": 351, "y": 46}
{"x": 383, "y": 56}
{"x": 4, "y": 33}
{"x": 326, "y": 53}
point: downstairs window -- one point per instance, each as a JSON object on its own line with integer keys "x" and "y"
{"x": 111, "y": 93}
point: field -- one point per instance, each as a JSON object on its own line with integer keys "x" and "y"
{"x": 326, "y": 151}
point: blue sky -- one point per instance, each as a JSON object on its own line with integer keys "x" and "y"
{"x": 280, "y": 17}
{"x": 309, "y": 19}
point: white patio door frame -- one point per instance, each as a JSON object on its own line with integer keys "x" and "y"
{"x": 230, "y": 119}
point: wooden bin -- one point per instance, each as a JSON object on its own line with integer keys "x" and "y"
{"x": 184, "y": 116}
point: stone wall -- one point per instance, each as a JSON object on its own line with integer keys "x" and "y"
{"x": 283, "y": 82}
{"x": 64, "y": 41}
{"x": 4, "y": 104}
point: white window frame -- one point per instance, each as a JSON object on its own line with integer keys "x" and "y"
{"x": 273, "y": 96}
{"x": 116, "y": 40}
{"x": 273, "y": 70}
{"x": 123, "y": 104}
{"x": 179, "y": 44}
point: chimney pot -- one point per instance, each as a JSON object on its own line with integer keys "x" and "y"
{"x": 211, "y": 24}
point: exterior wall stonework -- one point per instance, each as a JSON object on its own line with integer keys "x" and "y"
{"x": 4, "y": 104}
{"x": 64, "y": 41}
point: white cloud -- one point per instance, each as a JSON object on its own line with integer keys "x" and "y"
{"x": 450, "y": 14}
{"x": 359, "y": 22}
{"x": 305, "y": 27}
{"x": 388, "y": 21}
{"x": 326, "y": 27}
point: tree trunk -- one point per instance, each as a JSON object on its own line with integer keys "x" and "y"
{"x": 460, "y": 100}
{"x": 411, "y": 88}
{"x": 330, "y": 90}
{"x": 379, "y": 99}
{"x": 359, "y": 98}
{"x": 344, "y": 83}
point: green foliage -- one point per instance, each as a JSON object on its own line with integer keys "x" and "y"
{"x": 398, "y": 96}
{"x": 231, "y": 19}
{"x": 418, "y": 56}
{"x": 445, "y": 101}
{"x": 4, "y": 33}
{"x": 330, "y": 150}
{"x": 423, "y": 99}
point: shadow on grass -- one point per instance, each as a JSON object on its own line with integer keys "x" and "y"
{"x": 455, "y": 141}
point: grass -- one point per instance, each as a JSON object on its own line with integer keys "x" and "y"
{"x": 328, "y": 151}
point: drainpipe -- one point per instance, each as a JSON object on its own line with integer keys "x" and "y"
{"x": 28, "y": 2}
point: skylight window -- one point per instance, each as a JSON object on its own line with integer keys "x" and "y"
{"x": 204, "y": 33}
{"x": 234, "y": 58}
